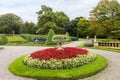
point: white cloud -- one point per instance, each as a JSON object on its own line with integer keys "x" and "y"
{"x": 26, "y": 8}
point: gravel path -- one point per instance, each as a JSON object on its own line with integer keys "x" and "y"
{"x": 112, "y": 72}
{"x": 9, "y": 53}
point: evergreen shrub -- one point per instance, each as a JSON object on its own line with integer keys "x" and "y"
{"x": 3, "y": 40}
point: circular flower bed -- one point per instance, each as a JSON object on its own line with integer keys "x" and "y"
{"x": 53, "y": 58}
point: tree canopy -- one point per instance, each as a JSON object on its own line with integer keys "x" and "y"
{"x": 10, "y": 22}
{"x": 48, "y": 19}
{"x": 107, "y": 16}
{"x": 82, "y": 27}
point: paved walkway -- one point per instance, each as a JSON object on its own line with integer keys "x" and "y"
{"x": 9, "y": 53}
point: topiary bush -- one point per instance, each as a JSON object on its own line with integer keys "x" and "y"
{"x": 68, "y": 36}
{"x": 3, "y": 40}
{"x": 49, "y": 37}
{"x": 59, "y": 38}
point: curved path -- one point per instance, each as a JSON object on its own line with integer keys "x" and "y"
{"x": 9, "y": 53}
{"x": 112, "y": 72}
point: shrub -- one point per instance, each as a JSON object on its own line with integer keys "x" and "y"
{"x": 40, "y": 37}
{"x": 89, "y": 43}
{"x": 28, "y": 37}
{"x": 68, "y": 36}
{"x": 74, "y": 38}
{"x": 59, "y": 38}
{"x": 31, "y": 37}
{"x": 49, "y": 37}
{"x": 3, "y": 40}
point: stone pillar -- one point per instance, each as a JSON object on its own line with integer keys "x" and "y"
{"x": 95, "y": 39}
{"x": 96, "y": 44}
{"x": 87, "y": 37}
{"x": 13, "y": 33}
{"x": 119, "y": 45}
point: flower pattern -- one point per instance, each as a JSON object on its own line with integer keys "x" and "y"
{"x": 55, "y": 53}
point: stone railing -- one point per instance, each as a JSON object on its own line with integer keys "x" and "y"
{"x": 107, "y": 44}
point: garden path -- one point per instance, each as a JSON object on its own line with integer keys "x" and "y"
{"x": 9, "y": 53}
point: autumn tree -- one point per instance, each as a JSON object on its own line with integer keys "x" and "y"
{"x": 107, "y": 13}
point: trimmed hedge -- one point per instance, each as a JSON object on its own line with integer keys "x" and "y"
{"x": 31, "y": 37}
{"x": 49, "y": 37}
{"x": 74, "y": 38}
{"x": 18, "y": 68}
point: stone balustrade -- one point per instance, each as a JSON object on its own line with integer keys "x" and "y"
{"x": 107, "y": 44}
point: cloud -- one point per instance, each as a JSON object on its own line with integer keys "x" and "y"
{"x": 26, "y": 9}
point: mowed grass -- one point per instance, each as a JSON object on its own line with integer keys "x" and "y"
{"x": 17, "y": 67}
{"x": 15, "y": 38}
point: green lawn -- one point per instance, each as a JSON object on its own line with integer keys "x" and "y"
{"x": 107, "y": 49}
{"x": 18, "y": 68}
{"x": 15, "y": 38}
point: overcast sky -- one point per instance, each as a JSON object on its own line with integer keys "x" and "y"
{"x": 26, "y": 9}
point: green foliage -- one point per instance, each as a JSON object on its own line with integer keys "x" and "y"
{"x": 106, "y": 14}
{"x": 48, "y": 19}
{"x": 23, "y": 30}
{"x": 59, "y": 38}
{"x": 71, "y": 27}
{"x": 47, "y": 26}
{"x": 82, "y": 27}
{"x": 3, "y": 40}
{"x": 96, "y": 29}
{"x": 68, "y": 36}
{"x": 60, "y": 64}
{"x": 9, "y": 23}
{"x": 28, "y": 37}
{"x": 74, "y": 38}
{"x": 33, "y": 37}
{"x": 30, "y": 26}
{"x": 83, "y": 71}
{"x": 49, "y": 37}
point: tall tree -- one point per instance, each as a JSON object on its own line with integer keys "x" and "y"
{"x": 82, "y": 29}
{"x": 48, "y": 19}
{"x": 61, "y": 20}
{"x": 71, "y": 27}
{"x": 23, "y": 30}
{"x": 106, "y": 13}
{"x": 30, "y": 27}
{"x": 95, "y": 29}
{"x": 9, "y": 23}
